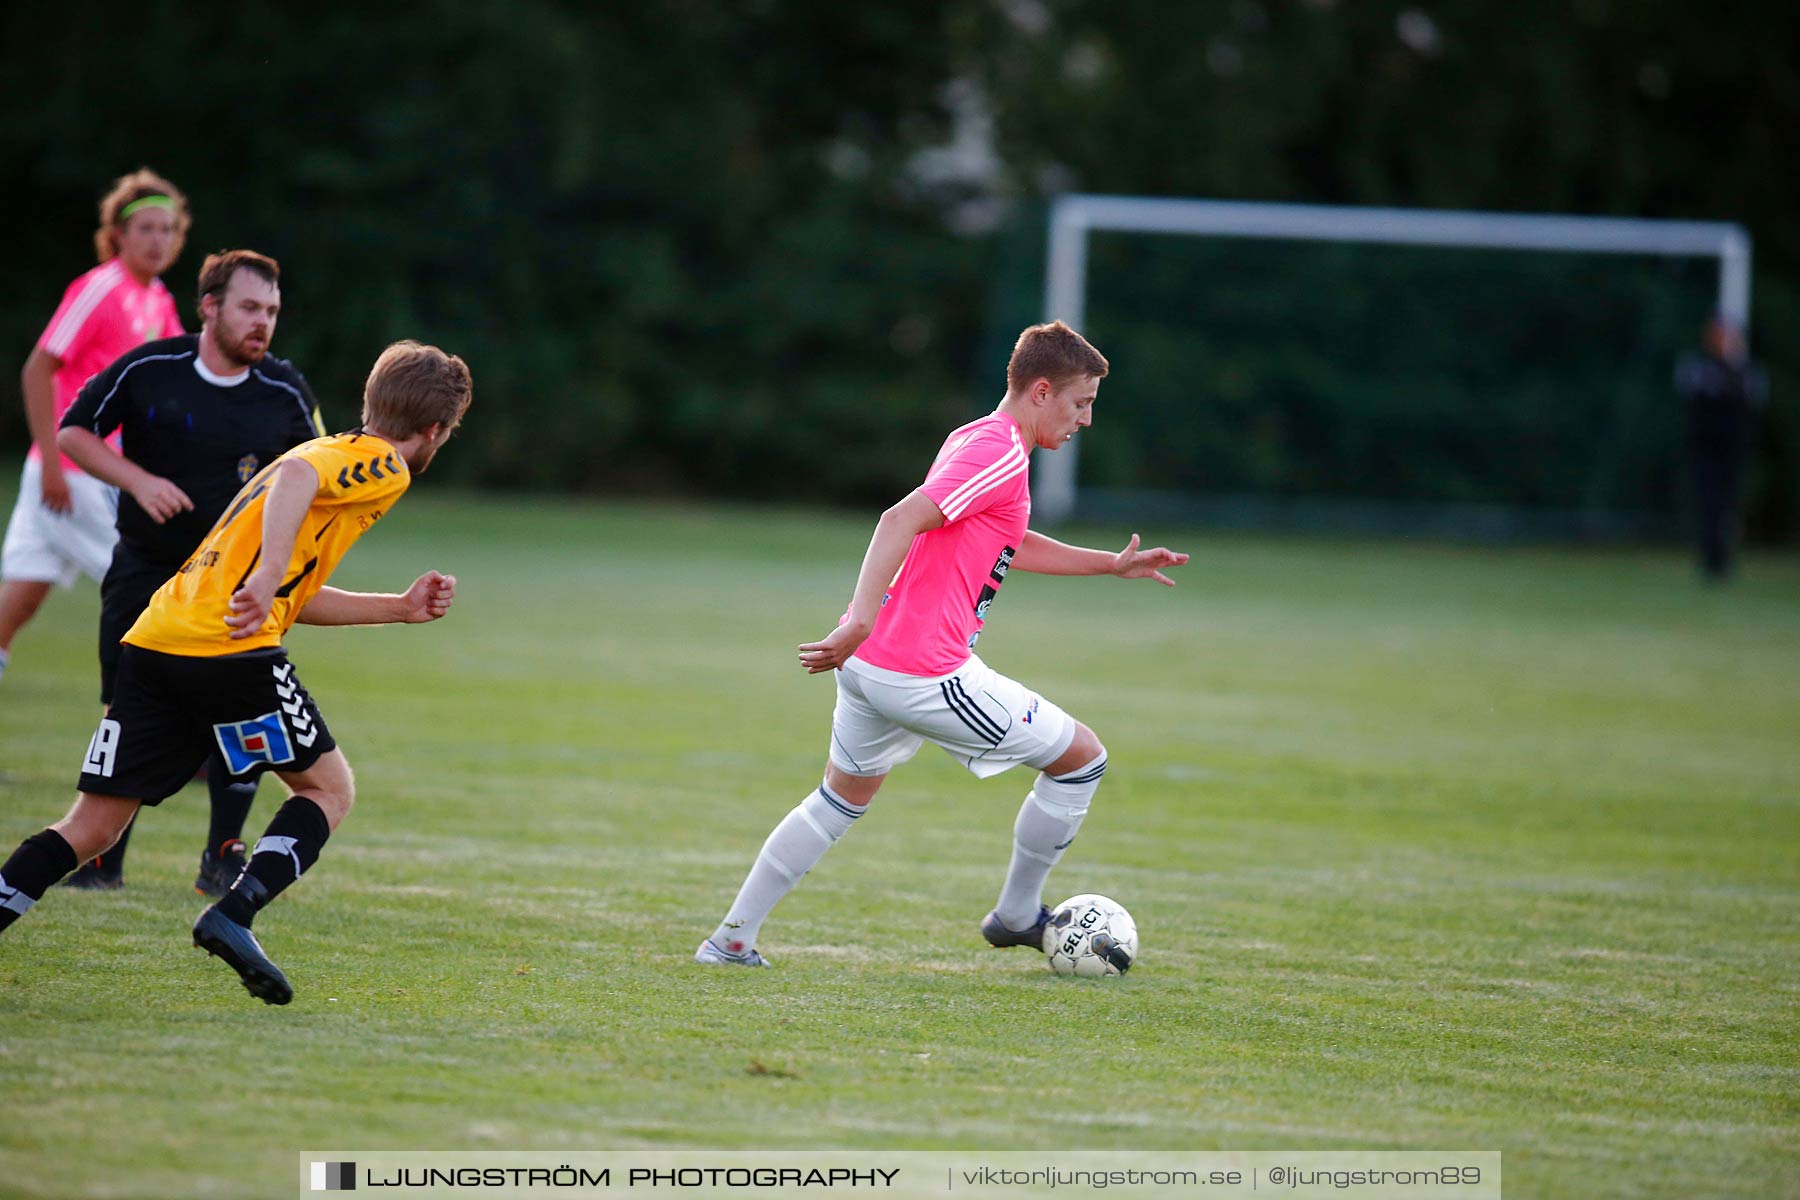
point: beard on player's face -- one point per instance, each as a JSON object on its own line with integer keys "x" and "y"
{"x": 241, "y": 322}
{"x": 246, "y": 346}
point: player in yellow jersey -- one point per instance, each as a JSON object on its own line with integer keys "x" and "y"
{"x": 203, "y": 667}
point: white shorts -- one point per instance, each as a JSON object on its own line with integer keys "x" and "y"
{"x": 985, "y": 721}
{"x": 50, "y": 547}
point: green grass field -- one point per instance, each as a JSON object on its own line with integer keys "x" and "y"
{"x": 1431, "y": 848}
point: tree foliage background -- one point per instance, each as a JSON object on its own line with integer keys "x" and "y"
{"x": 772, "y": 249}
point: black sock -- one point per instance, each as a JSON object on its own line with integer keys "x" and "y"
{"x": 41, "y": 860}
{"x": 287, "y": 847}
{"x": 231, "y": 801}
{"x": 112, "y": 861}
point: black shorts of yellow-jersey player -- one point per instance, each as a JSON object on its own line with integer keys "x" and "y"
{"x": 203, "y": 666}
{"x": 173, "y": 711}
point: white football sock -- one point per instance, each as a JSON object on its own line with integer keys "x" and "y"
{"x": 797, "y": 844}
{"x": 1048, "y": 821}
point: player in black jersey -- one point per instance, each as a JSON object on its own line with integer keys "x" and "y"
{"x": 200, "y": 415}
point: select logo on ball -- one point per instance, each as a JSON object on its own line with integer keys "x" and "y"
{"x": 1091, "y": 936}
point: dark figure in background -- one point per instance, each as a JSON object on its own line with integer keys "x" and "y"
{"x": 1724, "y": 390}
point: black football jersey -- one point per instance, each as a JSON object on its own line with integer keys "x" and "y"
{"x": 205, "y": 437}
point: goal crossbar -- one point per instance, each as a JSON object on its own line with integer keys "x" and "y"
{"x": 1073, "y": 218}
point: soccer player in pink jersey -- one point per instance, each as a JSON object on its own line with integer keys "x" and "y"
{"x": 62, "y": 523}
{"x": 904, "y": 651}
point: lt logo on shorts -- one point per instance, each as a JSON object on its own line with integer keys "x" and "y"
{"x": 246, "y": 743}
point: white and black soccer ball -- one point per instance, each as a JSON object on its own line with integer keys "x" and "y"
{"x": 1091, "y": 936}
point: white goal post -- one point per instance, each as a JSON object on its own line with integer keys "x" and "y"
{"x": 1074, "y": 217}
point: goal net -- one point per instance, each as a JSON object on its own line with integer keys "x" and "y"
{"x": 1384, "y": 370}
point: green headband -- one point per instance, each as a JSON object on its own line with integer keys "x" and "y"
{"x": 143, "y": 202}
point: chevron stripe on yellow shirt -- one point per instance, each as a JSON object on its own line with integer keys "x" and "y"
{"x": 360, "y": 477}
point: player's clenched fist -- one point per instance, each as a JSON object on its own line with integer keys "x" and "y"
{"x": 429, "y": 597}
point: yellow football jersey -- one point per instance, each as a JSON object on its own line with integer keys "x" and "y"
{"x": 360, "y": 477}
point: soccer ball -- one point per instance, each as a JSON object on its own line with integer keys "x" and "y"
{"x": 1090, "y": 935}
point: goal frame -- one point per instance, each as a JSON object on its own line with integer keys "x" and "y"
{"x": 1075, "y": 217}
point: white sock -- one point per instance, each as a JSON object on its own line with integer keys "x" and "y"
{"x": 1048, "y": 821}
{"x": 3, "y": 657}
{"x": 796, "y": 845}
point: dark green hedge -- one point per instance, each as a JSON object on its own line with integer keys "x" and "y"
{"x": 687, "y": 248}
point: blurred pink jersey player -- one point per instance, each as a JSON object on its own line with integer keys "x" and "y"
{"x": 104, "y": 313}
{"x": 62, "y": 524}
{"x": 904, "y": 652}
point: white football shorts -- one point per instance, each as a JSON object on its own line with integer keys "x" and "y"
{"x": 50, "y": 547}
{"x": 984, "y": 720}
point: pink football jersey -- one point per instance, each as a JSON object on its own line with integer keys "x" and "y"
{"x": 103, "y": 314}
{"x": 935, "y": 607}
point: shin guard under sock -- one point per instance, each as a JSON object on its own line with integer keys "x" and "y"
{"x": 797, "y": 844}
{"x": 1047, "y": 823}
{"x": 286, "y": 849}
{"x": 41, "y": 860}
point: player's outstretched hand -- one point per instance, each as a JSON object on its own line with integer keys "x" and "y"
{"x": 250, "y": 604}
{"x": 161, "y": 499}
{"x": 834, "y": 651}
{"x": 428, "y": 598}
{"x": 1132, "y": 563}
